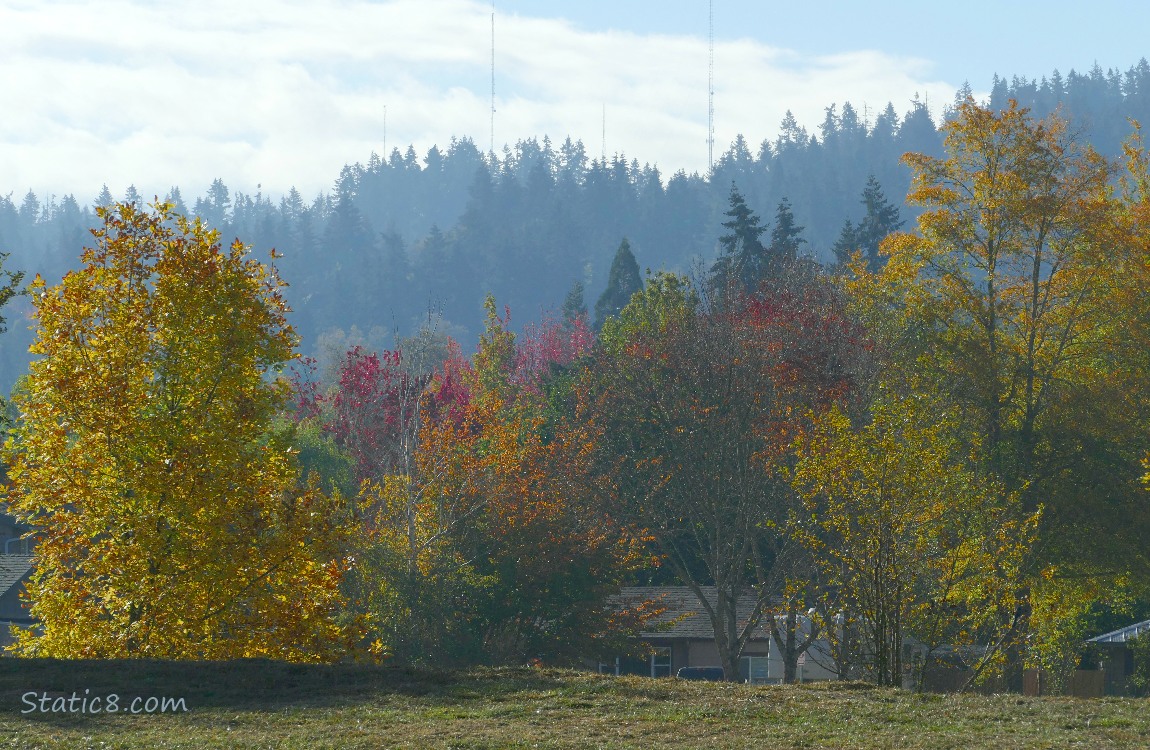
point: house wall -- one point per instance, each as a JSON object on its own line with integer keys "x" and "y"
{"x": 11, "y": 607}
{"x": 1117, "y": 665}
{"x": 12, "y": 612}
{"x": 814, "y": 665}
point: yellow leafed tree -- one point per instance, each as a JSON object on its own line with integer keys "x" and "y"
{"x": 1001, "y": 303}
{"x": 911, "y": 540}
{"x": 1001, "y": 278}
{"x": 169, "y": 525}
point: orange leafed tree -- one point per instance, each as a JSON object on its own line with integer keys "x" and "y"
{"x": 169, "y": 524}
{"x": 511, "y": 485}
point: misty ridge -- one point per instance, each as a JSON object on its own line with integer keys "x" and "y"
{"x": 403, "y": 238}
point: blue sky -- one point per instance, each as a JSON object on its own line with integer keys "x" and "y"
{"x": 279, "y": 93}
{"x": 973, "y": 39}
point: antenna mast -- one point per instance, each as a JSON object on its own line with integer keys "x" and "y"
{"x": 385, "y": 132}
{"x": 711, "y": 84}
{"x": 604, "y": 142}
{"x": 492, "y": 76}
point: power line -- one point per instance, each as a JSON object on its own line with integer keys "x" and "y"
{"x": 604, "y": 142}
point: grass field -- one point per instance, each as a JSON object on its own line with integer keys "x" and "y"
{"x": 265, "y": 704}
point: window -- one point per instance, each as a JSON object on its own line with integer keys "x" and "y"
{"x": 661, "y": 661}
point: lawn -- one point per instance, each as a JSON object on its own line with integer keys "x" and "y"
{"x": 266, "y": 704}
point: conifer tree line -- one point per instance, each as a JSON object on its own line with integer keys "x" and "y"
{"x": 938, "y": 436}
{"x": 403, "y": 232}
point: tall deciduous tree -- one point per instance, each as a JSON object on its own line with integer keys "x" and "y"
{"x": 1003, "y": 266}
{"x": 169, "y": 523}
{"x": 697, "y": 410}
{"x": 1121, "y": 391}
{"x": 910, "y": 538}
{"x": 999, "y": 304}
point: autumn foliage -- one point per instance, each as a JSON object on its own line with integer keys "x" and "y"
{"x": 170, "y": 526}
{"x": 940, "y": 449}
{"x": 482, "y": 542}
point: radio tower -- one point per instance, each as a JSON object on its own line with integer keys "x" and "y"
{"x": 492, "y": 76}
{"x": 604, "y": 154}
{"x": 711, "y": 84}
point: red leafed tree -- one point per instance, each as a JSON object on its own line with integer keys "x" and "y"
{"x": 449, "y": 389}
{"x": 482, "y": 544}
{"x": 698, "y": 411}
{"x": 375, "y": 412}
{"x": 547, "y": 345}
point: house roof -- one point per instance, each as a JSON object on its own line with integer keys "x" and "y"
{"x": 13, "y": 569}
{"x": 1123, "y": 634}
{"x": 685, "y": 616}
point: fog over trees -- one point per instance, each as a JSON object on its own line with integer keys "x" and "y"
{"x": 403, "y": 234}
{"x": 914, "y": 429}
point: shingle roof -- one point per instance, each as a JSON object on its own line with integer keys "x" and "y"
{"x": 1123, "y": 634}
{"x": 13, "y": 568}
{"x": 685, "y": 613}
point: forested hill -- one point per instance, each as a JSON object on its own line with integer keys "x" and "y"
{"x": 402, "y": 235}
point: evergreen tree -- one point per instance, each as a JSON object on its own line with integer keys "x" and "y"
{"x": 622, "y": 282}
{"x": 30, "y": 209}
{"x": 882, "y": 218}
{"x": 573, "y": 306}
{"x": 786, "y": 237}
{"x": 9, "y": 288}
{"x": 846, "y": 244}
{"x": 104, "y": 199}
{"x": 177, "y": 200}
{"x": 743, "y": 258}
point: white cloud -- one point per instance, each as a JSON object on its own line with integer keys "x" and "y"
{"x": 285, "y": 93}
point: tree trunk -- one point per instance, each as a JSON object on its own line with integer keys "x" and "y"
{"x": 1015, "y": 652}
{"x": 790, "y": 650}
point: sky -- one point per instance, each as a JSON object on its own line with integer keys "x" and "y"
{"x": 271, "y": 94}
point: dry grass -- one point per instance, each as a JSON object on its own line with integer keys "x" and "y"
{"x": 265, "y": 704}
